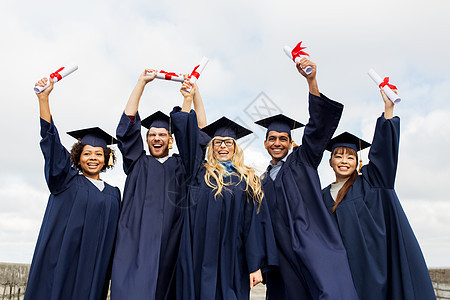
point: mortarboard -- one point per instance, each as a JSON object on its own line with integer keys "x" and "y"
{"x": 347, "y": 139}
{"x": 94, "y": 137}
{"x": 279, "y": 123}
{"x": 158, "y": 119}
{"x": 226, "y": 128}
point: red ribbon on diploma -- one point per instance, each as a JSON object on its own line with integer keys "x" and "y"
{"x": 168, "y": 75}
{"x": 195, "y": 73}
{"x": 386, "y": 82}
{"x": 297, "y": 51}
{"x": 56, "y": 74}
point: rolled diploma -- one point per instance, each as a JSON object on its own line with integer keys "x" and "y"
{"x": 64, "y": 72}
{"x": 389, "y": 92}
{"x": 288, "y": 51}
{"x": 171, "y": 77}
{"x": 199, "y": 70}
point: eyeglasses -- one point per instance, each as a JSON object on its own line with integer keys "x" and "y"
{"x": 228, "y": 142}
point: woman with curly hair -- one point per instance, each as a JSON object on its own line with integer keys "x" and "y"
{"x": 384, "y": 256}
{"x": 72, "y": 258}
{"x": 227, "y": 240}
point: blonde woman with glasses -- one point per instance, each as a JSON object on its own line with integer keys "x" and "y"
{"x": 227, "y": 240}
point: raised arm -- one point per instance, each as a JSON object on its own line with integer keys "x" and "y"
{"x": 199, "y": 108}
{"x": 57, "y": 169}
{"x": 388, "y": 105}
{"x": 193, "y": 96}
{"x": 44, "y": 107}
{"x": 324, "y": 116}
{"x": 310, "y": 78}
{"x": 133, "y": 102}
{"x": 383, "y": 154}
{"x": 188, "y": 97}
{"x": 187, "y": 136}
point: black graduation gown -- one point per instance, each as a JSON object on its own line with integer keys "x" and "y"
{"x": 72, "y": 259}
{"x": 224, "y": 238}
{"x": 313, "y": 262}
{"x": 384, "y": 255}
{"x": 150, "y": 222}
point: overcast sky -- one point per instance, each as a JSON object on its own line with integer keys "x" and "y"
{"x": 112, "y": 42}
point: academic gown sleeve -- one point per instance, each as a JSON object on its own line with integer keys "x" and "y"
{"x": 191, "y": 153}
{"x": 383, "y": 154}
{"x": 324, "y": 118}
{"x": 130, "y": 141}
{"x": 190, "y": 140}
{"x": 58, "y": 166}
{"x": 261, "y": 249}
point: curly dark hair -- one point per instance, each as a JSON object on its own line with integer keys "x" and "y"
{"x": 77, "y": 149}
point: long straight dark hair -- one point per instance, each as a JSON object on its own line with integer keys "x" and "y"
{"x": 344, "y": 189}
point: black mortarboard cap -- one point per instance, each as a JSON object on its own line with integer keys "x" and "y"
{"x": 94, "y": 137}
{"x": 226, "y": 128}
{"x": 158, "y": 119}
{"x": 279, "y": 123}
{"x": 347, "y": 139}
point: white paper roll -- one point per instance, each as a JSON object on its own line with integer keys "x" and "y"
{"x": 63, "y": 72}
{"x": 288, "y": 51}
{"x": 199, "y": 70}
{"x": 388, "y": 91}
{"x": 168, "y": 76}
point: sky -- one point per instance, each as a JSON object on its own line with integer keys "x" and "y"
{"x": 248, "y": 76}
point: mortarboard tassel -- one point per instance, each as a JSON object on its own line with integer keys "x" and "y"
{"x": 170, "y": 133}
{"x": 360, "y": 157}
{"x": 111, "y": 160}
{"x": 294, "y": 144}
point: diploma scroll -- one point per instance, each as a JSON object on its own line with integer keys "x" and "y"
{"x": 295, "y": 55}
{"x": 195, "y": 74}
{"x": 168, "y": 76}
{"x": 57, "y": 76}
{"x": 193, "y": 77}
{"x": 384, "y": 84}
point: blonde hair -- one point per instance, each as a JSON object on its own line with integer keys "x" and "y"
{"x": 216, "y": 170}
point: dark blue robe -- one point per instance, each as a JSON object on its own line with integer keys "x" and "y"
{"x": 224, "y": 238}
{"x": 150, "y": 222}
{"x": 73, "y": 254}
{"x": 313, "y": 261}
{"x": 384, "y": 255}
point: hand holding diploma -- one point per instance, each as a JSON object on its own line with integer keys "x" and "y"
{"x": 296, "y": 53}
{"x": 385, "y": 85}
{"x": 193, "y": 77}
{"x": 57, "y": 76}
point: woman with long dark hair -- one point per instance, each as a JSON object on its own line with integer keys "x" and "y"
{"x": 384, "y": 256}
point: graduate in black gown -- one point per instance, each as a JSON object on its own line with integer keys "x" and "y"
{"x": 73, "y": 254}
{"x": 312, "y": 259}
{"x": 151, "y": 219}
{"x": 225, "y": 246}
{"x": 385, "y": 258}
